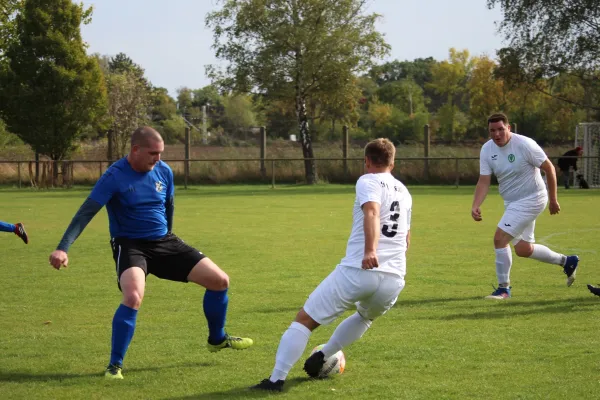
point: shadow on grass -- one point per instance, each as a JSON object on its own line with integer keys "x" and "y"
{"x": 242, "y": 393}
{"x": 22, "y": 377}
{"x": 277, "y": 310}
{"x": 418, "y": 302}
{"x": 511, "y": 308}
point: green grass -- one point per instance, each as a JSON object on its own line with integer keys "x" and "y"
{"x": 441, "y": 341}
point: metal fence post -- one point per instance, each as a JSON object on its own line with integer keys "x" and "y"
{"x": 272, "y": 174}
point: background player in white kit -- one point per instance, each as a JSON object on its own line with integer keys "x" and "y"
{"x": 369, "y": 278}
{"x": 516, "y": 161}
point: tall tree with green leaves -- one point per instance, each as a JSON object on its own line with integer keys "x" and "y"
{"x": 8, "y": 32}
{"x": 51, "y": 89}
{"x": 448, "y": 78}
{"x": 294, "y": 50}
{"x": 550, "y": 37}
{"x": 128, "y": 108}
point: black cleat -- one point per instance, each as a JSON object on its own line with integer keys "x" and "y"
{"x": 595, "y": 290}
{"x": 20, "y": 232}
{"x": 314, "y": 363}
{"x": 266, "y": 384}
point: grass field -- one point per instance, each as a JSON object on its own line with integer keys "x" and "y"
{"x": 441, "y": 341}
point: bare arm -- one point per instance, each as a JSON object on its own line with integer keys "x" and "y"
{"x": 371, "y": 228}
{"x": 550, "y": 172}
{"x": 407, "y": 240}
{"x": 481, "y": 190}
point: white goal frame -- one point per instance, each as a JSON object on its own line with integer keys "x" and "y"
{"x": 588, "y": 137}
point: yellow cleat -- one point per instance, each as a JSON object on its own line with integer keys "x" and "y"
{"x": 113, "y": 372}
{"x": 231, "y": 342}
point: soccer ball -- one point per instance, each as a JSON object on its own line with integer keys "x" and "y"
{"x": 333, "y": 365}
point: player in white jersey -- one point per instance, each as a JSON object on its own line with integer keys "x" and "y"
{"x": 369, "y": 278}
{"x": 516, "y": 161}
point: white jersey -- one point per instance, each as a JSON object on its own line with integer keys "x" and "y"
{"x": 517, "y": 167}
{"x": 396, "y": 206}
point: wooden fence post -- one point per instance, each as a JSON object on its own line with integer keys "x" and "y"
{"x": 345, "y": 148}
{"x": 263, "y": 151}
{"x": 37, "y": 168}
{"x": 456, "y": 172}
{"x": 427, "y": 142}
{"x": 186, "y": 166}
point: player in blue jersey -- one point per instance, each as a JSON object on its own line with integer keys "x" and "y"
{"x": 18, "y": 229}
{"x": 138, "y": 194}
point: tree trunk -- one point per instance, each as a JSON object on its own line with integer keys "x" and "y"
{"x": 310, "y": 167}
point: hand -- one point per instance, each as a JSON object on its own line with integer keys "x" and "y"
{"x": 370, "y": 260}
{"x": 554, "y": 207}
{"x": 58, "y": 259}
{"x": 476, "y": 214}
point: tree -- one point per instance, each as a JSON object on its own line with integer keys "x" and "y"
{"x": 238, "y": 114}
{"x": 184, "y": 99}
{"x": 163, "y": 107}
{"x": 121, "y": 63}
{"x": 294, "y": 49}
{"x": 487, "y": 93}
{"x": 547, "y": 38}
{"x": 404, "y": 94}
{"x": 448, "y": 78}
{"x": 8, "y": 32}
{"x": 51, "y": 90}
{"x": 128, "y": 102}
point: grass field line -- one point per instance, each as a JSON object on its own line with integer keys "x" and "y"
{"x": 545, "y": 240}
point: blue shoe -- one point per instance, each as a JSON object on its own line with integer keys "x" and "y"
{"x": 500, "y": 293}
{"x": 571, "y": 268}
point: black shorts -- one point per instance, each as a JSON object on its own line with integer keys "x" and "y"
{"x": 167, "y": 258}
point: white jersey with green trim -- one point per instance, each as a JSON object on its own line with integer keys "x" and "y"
{"x": 516, "y": 166}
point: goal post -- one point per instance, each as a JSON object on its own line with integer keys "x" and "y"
{"x": 588, "y": 137}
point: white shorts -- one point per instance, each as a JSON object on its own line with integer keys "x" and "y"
{"x": 371, "y": 292}
{"x": 519, "y": 218}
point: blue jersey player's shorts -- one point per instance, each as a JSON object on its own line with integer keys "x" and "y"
{"x": 167, "y": 258}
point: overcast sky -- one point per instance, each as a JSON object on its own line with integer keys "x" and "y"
{"x": 170, "y": 41}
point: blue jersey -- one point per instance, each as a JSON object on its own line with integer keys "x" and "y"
{"x": 135, "y": 201}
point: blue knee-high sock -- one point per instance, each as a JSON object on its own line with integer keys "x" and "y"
{"x": 215, "y": 310}
{"x": 6, "y": 227}
{"x": 122, "y": 333}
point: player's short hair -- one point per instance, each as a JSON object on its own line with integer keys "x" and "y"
{"x": 143, "y": 135}
{"x": 497, "y": 117}
{"x": 381, "y": 152}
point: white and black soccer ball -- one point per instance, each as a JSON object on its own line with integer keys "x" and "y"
{"x": 333, "y": 365}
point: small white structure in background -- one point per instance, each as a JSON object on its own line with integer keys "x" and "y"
{"x": 293, "y": 138}
{"x": 588, "y": 137}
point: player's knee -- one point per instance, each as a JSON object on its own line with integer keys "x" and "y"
{"x": 524, "y": 249}
{"x": 222, "y": 281}
{"x": 500, "y": 242}
{"x": 132, "y": 299}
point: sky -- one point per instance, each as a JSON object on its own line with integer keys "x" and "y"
{"x": 170, "y": 41}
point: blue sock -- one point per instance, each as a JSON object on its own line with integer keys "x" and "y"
{"x": 215, "y": 310}
{"x": 6, "y": 227}
{"x": 122, "y": 333}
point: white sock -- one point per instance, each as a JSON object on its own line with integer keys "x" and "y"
{"x": 544, "y": 254}
{"x": 292, "y": 345}
{"x": 503, "y": 264}
{"x": 350, "y": 330}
